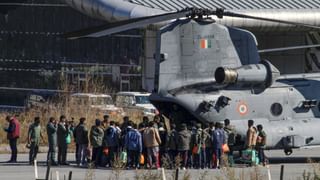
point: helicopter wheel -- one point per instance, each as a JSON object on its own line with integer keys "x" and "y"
{"x": 288, "y": 152}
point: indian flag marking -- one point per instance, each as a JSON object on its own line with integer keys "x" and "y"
{"x": 205, "y": 43}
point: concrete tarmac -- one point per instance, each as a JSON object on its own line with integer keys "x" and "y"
{"x": 294, "y": 167}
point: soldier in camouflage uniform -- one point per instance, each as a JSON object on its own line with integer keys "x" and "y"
{"x": 34, "y": 135}
{"x": 198, "y": 140}
{"x": 171, "y": 144}
{"x": 261, "y": 144}
{"x": 52, "y": 140}
{"x": 230, "y": 139}
{"x": 96, "y": 139}
{"x": 183, "y": 144}
{"x": 209, "y": 146}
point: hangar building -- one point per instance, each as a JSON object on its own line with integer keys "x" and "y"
{"x": 33, "y": 54}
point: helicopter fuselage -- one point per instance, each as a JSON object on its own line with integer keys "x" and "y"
{"x": 207, "y": 72}
{"x": 289, "y": 109}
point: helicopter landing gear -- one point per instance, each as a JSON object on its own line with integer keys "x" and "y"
{"x": 287, "y": 152}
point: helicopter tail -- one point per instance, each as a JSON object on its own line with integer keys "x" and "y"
{"x": 188, "y": 53}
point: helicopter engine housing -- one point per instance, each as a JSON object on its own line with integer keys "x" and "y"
{"x": 254, "y": 74}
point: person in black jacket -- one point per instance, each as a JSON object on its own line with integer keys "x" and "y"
{"x": 52, "y": 140}
{"x": 163, "y": 136}
{"x": 62, "y": 133}
{"x": 171, "y": 144}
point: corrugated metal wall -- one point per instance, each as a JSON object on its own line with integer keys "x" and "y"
{"x": 288, "y": 62}
{"x": 171, "y": 5}
{"x": 31, "y": 48}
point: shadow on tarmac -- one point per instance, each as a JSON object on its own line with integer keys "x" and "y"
{"x": 278, "y": 160}
{"x": 26, "y": 163}
{"x": 19, "y": 163}
{"x": 272, "y": 160}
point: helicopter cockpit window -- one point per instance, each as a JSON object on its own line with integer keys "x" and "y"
{"x": 276, "y": 109}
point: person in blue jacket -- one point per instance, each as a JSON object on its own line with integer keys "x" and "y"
{"x": 133, "y": 144}
{"x": 218, "y": 138}
{"x": 111, "y": 140}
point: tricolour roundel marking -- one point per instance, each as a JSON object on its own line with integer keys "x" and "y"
{"x": 242, "y": 108}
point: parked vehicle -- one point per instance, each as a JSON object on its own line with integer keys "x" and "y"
{"x": 100, "y": 102}
{"x": 39, "y": 99}
{"x": 132, "y": 101}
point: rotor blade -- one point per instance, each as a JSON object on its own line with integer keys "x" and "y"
{"x": 120, "y": 26}
{"x": 288, "y": 48}
{"x": 232, "y": 14}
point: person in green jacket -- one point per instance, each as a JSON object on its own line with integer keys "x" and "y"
{"x": 34, "y": 135}
{"x": 96, "y": 139}
{"x": 52, "y": 140}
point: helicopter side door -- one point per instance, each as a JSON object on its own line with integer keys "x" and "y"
{"x": 277, "y": 104}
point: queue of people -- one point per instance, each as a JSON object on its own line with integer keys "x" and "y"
{"x": 149, "y": 144}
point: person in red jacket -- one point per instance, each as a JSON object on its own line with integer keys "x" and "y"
{"x": 13, "y": 133}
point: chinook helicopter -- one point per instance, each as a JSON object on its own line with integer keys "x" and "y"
{"x": 210, "y": 72}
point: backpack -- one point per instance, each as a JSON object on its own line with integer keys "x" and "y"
{"x": 231, "y": 138}
{"x": 218, "y": 138}
{"x": 68, "y": 138}
{"x": 171, "y": 143}
{"x": 110, "y": 132}
{"x": 123, "y": 157}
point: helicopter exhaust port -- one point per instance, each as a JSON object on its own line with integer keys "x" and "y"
{"x": 254, "y": 74}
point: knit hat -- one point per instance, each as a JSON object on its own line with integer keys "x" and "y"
{"x": 183, "y": 126}
{"x": 98, "y": 122}
{"x": 198, "y": 125}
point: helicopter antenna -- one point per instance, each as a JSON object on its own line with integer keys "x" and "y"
{"x": 120, "y": 26}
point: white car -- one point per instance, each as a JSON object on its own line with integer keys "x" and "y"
{"x": 40, "y": 99}
{"x": 136, "y": 101}
{"x": 101, "y": 102}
